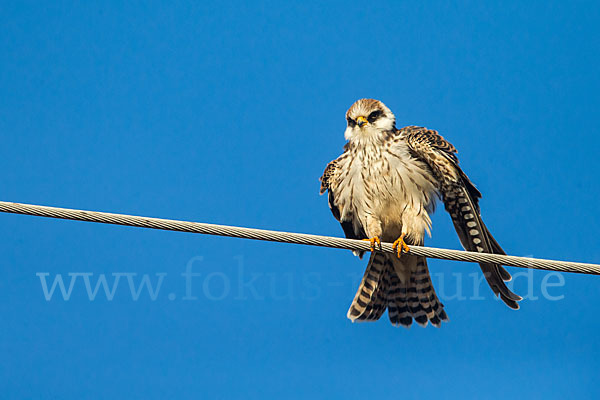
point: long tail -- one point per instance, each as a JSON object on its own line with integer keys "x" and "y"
{"x": 403, "y": 286}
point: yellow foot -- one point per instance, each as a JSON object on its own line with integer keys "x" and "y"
{"x": 400, "y": 246}
{"x": 374, "y": 240}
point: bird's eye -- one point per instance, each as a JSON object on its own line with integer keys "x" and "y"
{"x": 351, "y": 122}
{"x": 374, "y": 115}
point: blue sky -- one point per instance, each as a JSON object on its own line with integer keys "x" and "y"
{"x": 228, "y": 113}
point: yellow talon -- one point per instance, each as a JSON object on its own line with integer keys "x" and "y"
{"x": 374, "y": 240}
{"x": 400, "y": 246}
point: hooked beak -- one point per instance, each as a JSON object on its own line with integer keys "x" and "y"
{"x": 361, "y": 121}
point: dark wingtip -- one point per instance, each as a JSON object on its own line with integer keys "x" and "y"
{"x": 507, "y": 294}
{"x": 512, "y": 301}
{"x": 504, "y": 274}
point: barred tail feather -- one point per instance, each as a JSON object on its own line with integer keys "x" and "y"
{"x": 370, "y": 300}
{"x": 416, "y": 299}
{"x": 407, "y": 298}
{"x": 398, "y": 310}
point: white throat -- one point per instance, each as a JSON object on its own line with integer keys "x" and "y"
{"x": 365, "y": 135}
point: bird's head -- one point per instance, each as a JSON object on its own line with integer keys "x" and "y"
{"x": 368, "y": 117}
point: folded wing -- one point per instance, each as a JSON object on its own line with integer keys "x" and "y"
{"x": 461, "y": 200}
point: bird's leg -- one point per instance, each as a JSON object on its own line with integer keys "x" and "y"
{"x": 373, "y": 240}
{"x": 400, "y": 245}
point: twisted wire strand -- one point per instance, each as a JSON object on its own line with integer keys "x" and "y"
{"x": 289, "y": 237}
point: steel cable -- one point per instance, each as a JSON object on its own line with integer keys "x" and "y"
{"x": 289, "y": 237}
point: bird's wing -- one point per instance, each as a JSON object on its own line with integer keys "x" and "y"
{"x": 352, "y": 229}
{"x": 461, "y": 200}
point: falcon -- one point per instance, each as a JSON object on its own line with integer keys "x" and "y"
{"x": 384, "y": 187}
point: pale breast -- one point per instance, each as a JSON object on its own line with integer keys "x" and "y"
{"x": 385, "y": 182}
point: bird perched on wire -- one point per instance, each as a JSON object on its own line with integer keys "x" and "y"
{"x": 384, "y": 187}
